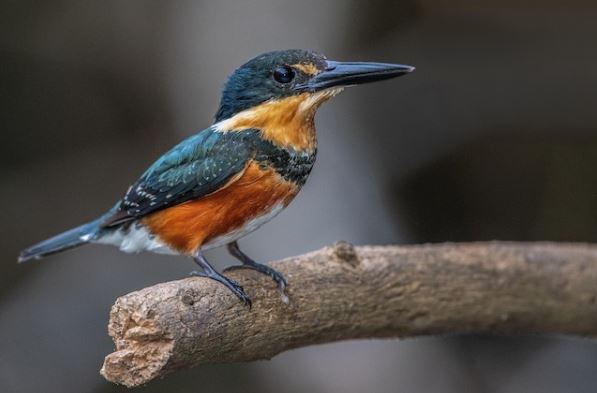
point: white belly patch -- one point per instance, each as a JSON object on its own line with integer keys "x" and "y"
{"x": 134, "y": 238}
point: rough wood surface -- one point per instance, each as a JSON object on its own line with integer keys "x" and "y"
{"x": 341, "y": 292}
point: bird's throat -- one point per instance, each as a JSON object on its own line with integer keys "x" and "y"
{"x": 287, "y": 122}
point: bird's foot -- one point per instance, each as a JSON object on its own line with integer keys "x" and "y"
{"x": 248, "y": 263}
{"x": 228, "y": 283}
{"x": 264, "y": 269}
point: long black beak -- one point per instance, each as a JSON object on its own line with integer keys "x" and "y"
{"x": 353, "y": 73}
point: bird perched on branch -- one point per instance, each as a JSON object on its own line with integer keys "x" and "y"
{"x": 229, "y": 179}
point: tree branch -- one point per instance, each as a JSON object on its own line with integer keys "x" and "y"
{"x": 341, "y": 292}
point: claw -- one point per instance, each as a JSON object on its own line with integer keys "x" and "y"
{"x": 228, "y": 283}
{"x": 248, "y": 263}
{"x": 277, "y": 277}
{"x": 211, "y": 273}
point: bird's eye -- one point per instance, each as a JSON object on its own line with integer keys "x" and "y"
{"x": 284, "y": 74}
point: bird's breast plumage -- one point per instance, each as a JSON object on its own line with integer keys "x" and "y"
{"x": 227, "y": 214}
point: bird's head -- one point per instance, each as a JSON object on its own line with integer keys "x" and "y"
{"x": 289, "y": 85}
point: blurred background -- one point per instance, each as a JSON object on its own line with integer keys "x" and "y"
{"x": 493, "y": 137}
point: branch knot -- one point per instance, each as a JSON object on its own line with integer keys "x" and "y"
{"x": 345, "y": 252}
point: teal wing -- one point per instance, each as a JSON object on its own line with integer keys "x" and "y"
{"x": 194, "y": 168}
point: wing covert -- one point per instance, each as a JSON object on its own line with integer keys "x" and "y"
{"x": 196, "y": 167}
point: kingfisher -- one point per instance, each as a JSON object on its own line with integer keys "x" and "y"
{"x": 229, "y": 179}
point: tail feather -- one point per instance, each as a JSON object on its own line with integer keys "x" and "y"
{"x": 64, "y": 241}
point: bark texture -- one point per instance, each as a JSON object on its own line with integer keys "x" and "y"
{"x": 345, "y": 292}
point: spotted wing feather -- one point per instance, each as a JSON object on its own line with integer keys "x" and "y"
{"x": 194, "y": 168}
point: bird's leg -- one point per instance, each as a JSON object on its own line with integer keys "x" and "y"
{"x": 210, "y": 272}
{"x": 247, "y": 262}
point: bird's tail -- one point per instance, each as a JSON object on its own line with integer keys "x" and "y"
{"x": 64, "y": 241}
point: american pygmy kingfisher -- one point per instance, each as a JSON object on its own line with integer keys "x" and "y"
{"x": 229, "y": 179}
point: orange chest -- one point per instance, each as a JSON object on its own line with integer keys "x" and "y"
{"x": 286, "y": 122}
{"x": 232, "y": 211}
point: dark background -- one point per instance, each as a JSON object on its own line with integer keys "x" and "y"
{"x": 493, "y": 137}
